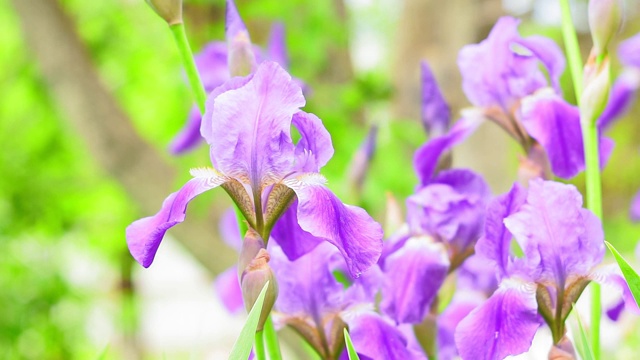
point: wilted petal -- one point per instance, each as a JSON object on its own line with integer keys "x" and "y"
{"x": 414, "y": 275}
{"x": 559, "y": 237}
{"x": 634, "y": 211}
{"x": 294, "y": 241}
{"x": 144, "y": 235}
{"x": 436, "y": 115}
{"x": 425, "y": 160}
{"x": 629, "y": 51}
{"x": 241, "y": 59}
{"x": 374, "y": 338}
{"x": 495, "y": 245}
{"x": 228, "y": 288}
{"x": 189, "y": 137}
{"x": 349, "y": 228}
{"x": 250, "y": 126}
{"x": 314, "y": 149}
{"x": 504, "y": 325}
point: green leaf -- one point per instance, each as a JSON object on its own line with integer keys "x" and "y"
{"x": 633, "y": 280}
{"x": 353, "y": 355}
{"x": 583, "y": 345}
{"x": 244, "y": 343}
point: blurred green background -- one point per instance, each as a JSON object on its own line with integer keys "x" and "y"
{"x": 92, "y": 92}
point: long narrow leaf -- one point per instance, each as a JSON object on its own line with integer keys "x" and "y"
{"x": 582, "y": 342}
{"x": 353, "y": 355}
{"x": 633, "y": 280}
{"x": 244, "y": 343}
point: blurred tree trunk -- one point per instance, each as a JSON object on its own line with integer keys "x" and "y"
{"x": 435, "y": 31}
{"x": 108, "y": 133}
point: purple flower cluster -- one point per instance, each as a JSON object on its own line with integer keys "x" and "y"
{"x": 448, "y": 280}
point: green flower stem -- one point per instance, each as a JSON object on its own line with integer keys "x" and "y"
{"x": 189, "y": 65}
{"x": 197, "y": 88}
{"x": 591, "y": 154}
{"x": 259, "y": 346}
{"x": 271, "y": 340}
{"x": 572, "y": 48}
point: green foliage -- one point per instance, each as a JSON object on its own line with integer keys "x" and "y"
{"x": 351, "y": 351}
{"x": 244, "y": 342}
{"x": 630, "y": 275}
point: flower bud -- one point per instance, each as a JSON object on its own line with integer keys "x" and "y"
{"x": 255, "y": 272}
{"x": 169, "y": 10}
{"x": 241, "y": 60}
{"x": 595, "y": 95}
{"x": 605, "y": 18}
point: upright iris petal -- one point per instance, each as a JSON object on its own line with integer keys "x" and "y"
{"x": 436, "y": 115}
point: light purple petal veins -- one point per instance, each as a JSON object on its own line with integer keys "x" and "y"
{"x": 559, "y": 238}
{"x": 349, "y": 228}
{"x": 414, "y": 275}
{"x": 250, "y": 126}
{"x": 436, "y": 115}
{"x": 144, "y": 235}
{"x": 504, "y": 325}
{"x": 314, "y": 149}
{"x": 495, "y": 245}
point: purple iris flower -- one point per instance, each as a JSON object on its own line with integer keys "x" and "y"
{"x": 212, "y": 65}
{"x": 444, "y": 220}
{"x": 562, "y": 244}
{"x": 247, "y": 125}
{"x": 436, "y": 114}
{"x": 635, "y": 207}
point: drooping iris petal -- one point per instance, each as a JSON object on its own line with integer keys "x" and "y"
{"x": 629, "y": 51}
{"x": 314, "y": 149}
{"x": 612, "y": 279}
{"x": 414, "y": 275}
{"x": 349, "y": 228}
{"x": 230, "y": 230}
{"x": 634, "y": 211}
{"x": 307, "y": 288}
{"x": 436, "y": 115}
{"x": 425, "y": 160}
{"x": 144, "y": 235}
{"x": 294, "y": 241}
{"x": 374, "y": 338}
{"x": 228, "y": 288}
{"x": 555, "y": 124}
{"x": 620, "y": 99}
{"x": 495, "y": 72}
{"x": 461, "y": 305}
{"x": 189, "y": 137}
{"x": 276, "y": 47}
{"x": 250, "y": 126}
{"x": 504, "y": 325}
{"x": 494, "y": 246}
{"x": 559, "y": 237}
